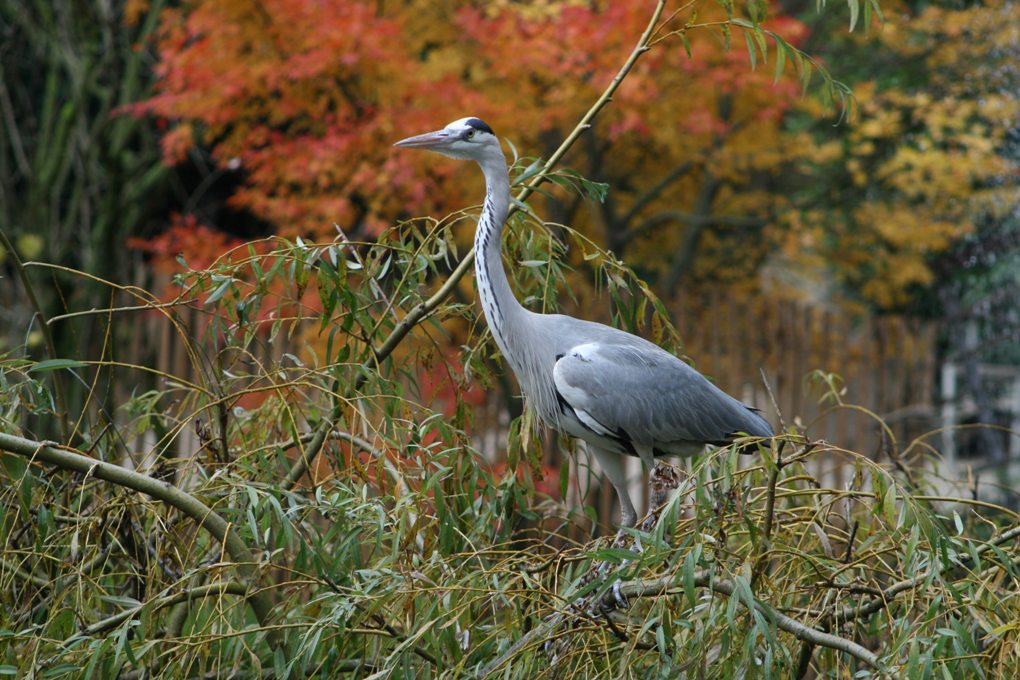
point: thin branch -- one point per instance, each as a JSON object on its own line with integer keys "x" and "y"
{"x": 397, "y": 635}
{"x": 335, "y": 667}
{"x": 668, "y": 585}
{"x": 652, "y": 193}
{"x": 423, "y": 309}
{"x": 377, "y": 290}
{"x": 706, "y": 579}
{"x": 683, "y": 259}
{"x": 673, "y": 215}
{"x": 109, "y": 310}
{"x": 883, "y": 598}
{"x": 229, "y": 588}
{"x": 24, "y": 574}
{"x": 308, "y": 454}
{"x": 206, "y": 519}
{"x": 852, "y": 613}
{"x": 84, "y": 569}
{"x": 770, "y": 511}
{"x": 333, "y": 434}
{"x": 532, "y": 637}
{"x": 7, "y": 106}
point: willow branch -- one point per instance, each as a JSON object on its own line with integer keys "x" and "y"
{"x": 229, "y": 588}
{"x": 667, "y": 585}
{"x": 850, "y": 613}
{"x": 426, "y": 307}
{"x": 705, "y": 579}
{"x": 45, "y": 583}
{"x": 214, "y": 524}
{"x": 309, "y": 453}
{"x": 24, "y": 574}
{"x": 360, "y": 666}
{"x": 770, "y": 512}
{"x": 532, "y": 637}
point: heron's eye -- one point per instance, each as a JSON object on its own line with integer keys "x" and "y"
{"x": 470, "y": 134}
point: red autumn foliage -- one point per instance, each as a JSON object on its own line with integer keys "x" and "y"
{"x": 306, "y": 97}
{"x": 200, "y": 244}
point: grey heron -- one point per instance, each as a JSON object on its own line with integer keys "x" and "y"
{"x": 620, "y": 393}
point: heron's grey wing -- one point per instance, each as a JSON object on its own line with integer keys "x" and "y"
{"x": 647, "y": 396}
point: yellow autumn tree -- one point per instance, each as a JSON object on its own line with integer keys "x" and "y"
{"x": 924, "y": 161}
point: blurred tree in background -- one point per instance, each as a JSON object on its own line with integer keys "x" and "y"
{"x": 278, "y": 119}
{"x": 696, "y": 142}
{"x": 77, "y": 178}
{"x": 241, "y": 379}
{"x": 927, "y": 164}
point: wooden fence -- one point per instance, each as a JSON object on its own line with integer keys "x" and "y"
{"x": 884, "y": 365}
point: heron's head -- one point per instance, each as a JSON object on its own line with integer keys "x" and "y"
{"x": 466, "y": 139}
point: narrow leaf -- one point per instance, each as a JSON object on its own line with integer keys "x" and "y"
{"x": 854, "y": 11}
{"x": 219, "y": 292}
{"x": 780, "y": 60}
{"x": 686, "y": 43}
{"x": 615, "y": 555}
{"x": 55, "y": 364}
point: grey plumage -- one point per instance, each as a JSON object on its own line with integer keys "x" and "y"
{"x": 619, "y": 393}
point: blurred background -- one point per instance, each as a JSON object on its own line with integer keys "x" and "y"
{"x": 864, "y": 257}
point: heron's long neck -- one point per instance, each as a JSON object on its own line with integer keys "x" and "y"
{"x": 502, "y": 310}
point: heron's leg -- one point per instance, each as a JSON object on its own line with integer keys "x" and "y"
{"x": 663, "y": 480}
{"x": 613, "y": 466}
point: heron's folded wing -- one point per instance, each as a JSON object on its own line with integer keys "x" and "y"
{"x": 649, "y": 396}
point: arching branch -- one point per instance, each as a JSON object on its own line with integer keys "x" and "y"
{"x": 850, "y": 613}
{"x": 668, "y": 585}
{"x": 219, "y": 528}
{"x": 196, "y": 593}
{"x": 706, "y": 579}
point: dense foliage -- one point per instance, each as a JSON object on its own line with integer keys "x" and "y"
{"x": 336, "y": 524}
{"x": 297, "y": 491}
